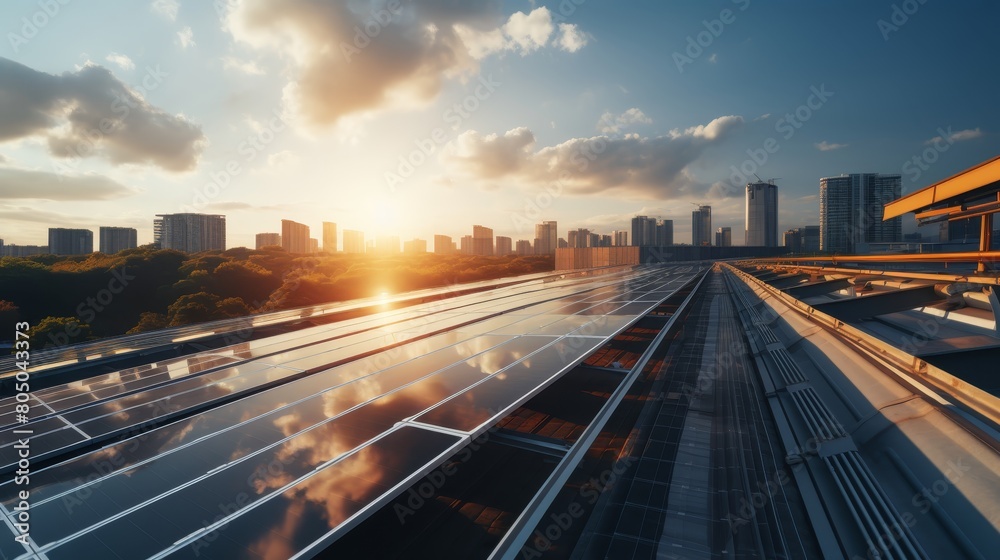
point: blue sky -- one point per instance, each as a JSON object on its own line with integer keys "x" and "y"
{"x": 582, "y": 111}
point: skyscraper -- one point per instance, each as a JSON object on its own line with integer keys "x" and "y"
{"x": 504, "y": 246}
{"x": 268, "y": 240}
{"x": 294, "y": 237}
{"x": 792, "y": 240}
{"x": 415, "y": 246}
{"x": 851, "y": 207}
{"x": 724, "y": 237}
{"x": 115, "y": 239}
{"x": 330, "y": 237}
{"x": 664, "y": 233}
{"x": 482, "y": 241}
{"x": 619, "y": 238}
{"x": 524, "y": 248}
{"x": 190, "y": 233}
{"x": 644, "y": 232}
{"x": 354, "y": 241}
{"x": 387, "y": 245}
{"x": 761, "y": 215}
{"x": 64, "y": 241}
{"x": 442, "y": 244}
{"x": 546, "y": 238}
{"x": 701, "y": 226}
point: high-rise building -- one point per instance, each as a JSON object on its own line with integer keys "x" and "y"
{"x": 466, "y": 245}
{"x": 604, "y": 241}
{"x": 115, "y": 239}
{"x": 13, "y": 250}
{"x": 294, "y": 237}
{"x": 546, "y": 237}
{"x": 724, "y": 237}
{"x": 415, "y": 246}
{"x": 268, "y": 240}
{"x": 851, "y": 207}
{"x": 761, "y": 215}
{"x": 639, "y": 231}
{"x": 64, "y": 241}
{"x": 578, "y": 238}
{"x": 482, "y": 241}
{"x": 619, "y": 238}
{"x": 354, "y": 241}
{"x": 443, "y": 244}
{"x": 961, "y": 231}
{"x": 524, "y": 248}
{"x": 562, "y": 243}
{"x": 190, "y": 233}
{"x": 802, "y": 240}
{"x": 330, "y": 237}
{"x": 504, "y": 246}
{"x": 810, "y": 239}
{"x": 313, "y": 245}
{"x": 664, "y": 233}
{"x": 792, "y": 240}
{"x": 701, "y": 226}
{"x": 387, "y": 245}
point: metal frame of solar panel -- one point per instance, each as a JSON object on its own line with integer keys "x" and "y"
{"x": 161, "y": 492}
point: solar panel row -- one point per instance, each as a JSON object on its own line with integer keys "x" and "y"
{"x": 286, "y": 468}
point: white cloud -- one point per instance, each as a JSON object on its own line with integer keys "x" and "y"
{"x": 245, "y": 66}
{"x": 952, "y": 137}
{"x": 611, "y": 124}
{"x": 185, "y": 38}
{"x": 53, "y": 186}
{"x": 123, "y": 61}
{"x": 631, "y": 165}
{"x": 90, "y": 113}
{"x": 825, "y": 146}
{"x": 571, "y": 39}
{"x": 165, "y": 8}
{"x": 531, "y": 31}
{"x": 763, "y": 117}
{"x": 347, "y": 61}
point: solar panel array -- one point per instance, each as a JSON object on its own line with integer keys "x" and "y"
{"x": 274, "y": 447}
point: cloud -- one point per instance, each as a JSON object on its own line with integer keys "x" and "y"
{"x": 952, "y": 137}
{"x": 571, "y": 39}
{"x": 3, "y": 158}
{"x": 51, "y": 186}
{"x": 633, "y": 166}
{"x": 610, "y": 124}
{"x": 529, "y": 32}
{"x": 166, "y": 9}
{"x": 825, "y": 146}
{"x": 230, "y": 206}
{"x": 765, "y": 116}
{"x": 90, "y": 113}
{"x": 366, "y": 57}
{"x": 245, "y": 66}
{"x": 123, "y": 62}
{"x": 714, "y": 58}
{"x": 185, "y": 38}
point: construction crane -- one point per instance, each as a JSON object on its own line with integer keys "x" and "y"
{"x": 769, "y": 181}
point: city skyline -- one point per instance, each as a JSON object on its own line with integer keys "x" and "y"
{"x": 252, "y": 152}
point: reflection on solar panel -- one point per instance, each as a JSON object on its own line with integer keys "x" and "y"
{"x": 276, "y": 447}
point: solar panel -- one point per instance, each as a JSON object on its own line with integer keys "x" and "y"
{"x": 308, "y": 449}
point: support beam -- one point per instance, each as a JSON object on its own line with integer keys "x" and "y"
{"x": 788, "y": 280}
{"x": 818, "y": 288}
{"x": 856, "y": 309}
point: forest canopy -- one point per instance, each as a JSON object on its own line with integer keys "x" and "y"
{"x": 144, "y": 289}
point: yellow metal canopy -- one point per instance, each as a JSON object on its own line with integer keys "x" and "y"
{"x": 948, "y": 190}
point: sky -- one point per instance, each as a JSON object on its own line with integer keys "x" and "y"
{"x": 423, "y": 117}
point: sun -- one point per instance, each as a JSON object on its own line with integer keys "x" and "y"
{"x": 384, "y": 216}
